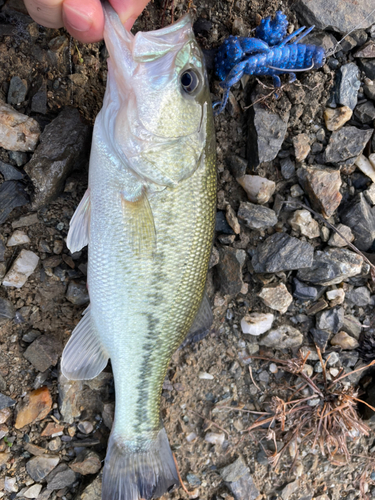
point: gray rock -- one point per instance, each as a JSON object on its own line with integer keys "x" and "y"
{"x": 31, "y": 336}
{"x": 331, "y": 320}
{"x": 60, "y": 477}
{"x": 2, "y": 250}
{"x": 266, "y": 134}
{"x": 44, "y": 352}
{"x": 359, "y": 296}
{"x": 320, "y": 337}
{"x": 7, "y": 310}
{"x": 349, "y": 359}
{"x": 12, "y": 195}
{"x": 6, "y": 29}
{"x": 348, "y": 44}
{"x": 346, "y": 144}
{"x": 93, "y": 491}
{"x": 18, "y": 132}
{"x": 238, "y": 479}
{"x": 221, "y": 224}
{"x": 338, "y": 17}
{"x": 26, "y": 221}
{"x": 352, "y": 326}
{"x": 305, "y": 292}
{"x": 367, "y": 51}
{"x": 17, "y": 91}
{"x": 77, "y": 293}
{"x": 322, "y": 185}
{"x": 360, "y": 217}
{"x": 229, "y": 270}
{"x": 348, "y": 85}
{"x": 281, "y": 252}
{"x": 39, "y": 101}
{"x": 19, "y": 157}
{"x": 331, "y": 267}
{"x": 256, "y": 216}
{"x": 63, "y": 145}
{"x": 289, "y": 489}
{"x": 39, "y": 467}
{"x": 288, "y": 169}
{"x": 87, "y": 462}
{"x": 193, "y": 480}
{"x": 9, "y": 172}
{"x": 89, "y": 394}
{"x": 369, "y": 91}
{"x": 284, "y": 337}
{"x": 368, "y": 67}
{"x": 365, "y": 112}
{"x": 237, "y": 165}
{"x": 6, "y": 401}
{"x": 321, "y": 38}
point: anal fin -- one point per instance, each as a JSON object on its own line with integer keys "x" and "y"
{"x": 78, "y": 235}
{"x": 84, "y": 356}
{"x": 140, "y": 225}
{"x": 201, "y": 324}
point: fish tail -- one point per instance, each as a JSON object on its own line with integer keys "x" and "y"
{"x": 134, "y": 475}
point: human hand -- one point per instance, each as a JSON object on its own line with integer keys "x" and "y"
{"x": 83, "y": 19}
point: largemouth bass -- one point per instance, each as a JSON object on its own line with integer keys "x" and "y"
{"x": 148, "y": 219}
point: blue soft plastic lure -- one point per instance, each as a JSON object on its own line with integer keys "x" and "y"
{"x": 272, "y": 53}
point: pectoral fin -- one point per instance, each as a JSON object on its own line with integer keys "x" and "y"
{"x": 78, "y": 235}
{"x": 201, "y": 324}
{"x": 140, "y": 225}
{"x": 84, "y": 356}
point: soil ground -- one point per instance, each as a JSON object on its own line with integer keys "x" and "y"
{"x": 42, "y": 303}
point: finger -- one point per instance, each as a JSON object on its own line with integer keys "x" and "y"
{"x": 84, "y": 20}
{"x": 128, "y": 10}
{"x": 46, "y": 12}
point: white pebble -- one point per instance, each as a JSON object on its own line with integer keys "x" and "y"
{"x": 256, "y": 323}
{"x": 367, "y": 167}
{"x": 308, "y": 370}
{"x": 191, "y": 437}
{"x": 205, "y": 376}
{"x": 213, "y": 438}
{"x": 337, "y": 295}
{"x": 10, "y": 484}
{"x": 273, "y": 368}
{"x": 22, "y": 268}
{"x": 33, "y": 491}
{"x": 258, "y": 189}
{"x": 18, "y": 238}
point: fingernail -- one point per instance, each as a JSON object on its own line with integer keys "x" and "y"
{"x": 77, "y": 19}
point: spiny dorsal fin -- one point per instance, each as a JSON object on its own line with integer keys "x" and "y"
{"x": 78, "y": 235}
{"x": 140, "y": 225}
{"x": 84, "y": 356}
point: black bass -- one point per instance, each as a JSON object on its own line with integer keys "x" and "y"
{"x": 148, "y": 219}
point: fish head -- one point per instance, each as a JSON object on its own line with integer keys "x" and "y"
{"x": 157, "y": 107}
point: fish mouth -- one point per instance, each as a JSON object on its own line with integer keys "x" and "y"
{"x": 143, "y": 46}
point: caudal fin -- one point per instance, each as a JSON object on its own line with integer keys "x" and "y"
{"x": 136, "y": 475}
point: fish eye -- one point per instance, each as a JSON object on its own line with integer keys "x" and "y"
{"x": 189, "y": 81}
